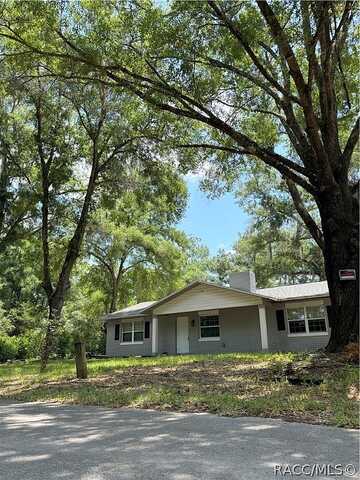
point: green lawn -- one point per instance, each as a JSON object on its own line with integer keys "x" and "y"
{"x": 227, "y": 384}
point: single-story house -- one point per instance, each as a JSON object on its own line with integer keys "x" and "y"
{"x": 207, "y": 318}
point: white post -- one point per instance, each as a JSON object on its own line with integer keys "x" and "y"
{"x": 154, "y": 335}
{"x": 263, "y": 327}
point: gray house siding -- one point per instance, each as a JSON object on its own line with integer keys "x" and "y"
{"x": 114, "y": 348}
{"x": 239, "y": 332}
{"x": 279, "y": 341}
{"x": 306, "y": 344}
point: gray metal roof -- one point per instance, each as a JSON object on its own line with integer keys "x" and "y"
{"x": 282, "y": 293}
{"x": 299, "y": 291}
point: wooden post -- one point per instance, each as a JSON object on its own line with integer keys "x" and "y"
{"x": 80, "y": 360}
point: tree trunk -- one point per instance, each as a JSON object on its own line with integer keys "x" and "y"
{"x": 52, "y": 326}
{"x": 339, "y": 211}
{"x": 114, "y": 295}
{"x": 4, "y": 179}
{"x": 115, "y": 281}
{"x": 80, "y": 360}
{"x": 56, "y": 297}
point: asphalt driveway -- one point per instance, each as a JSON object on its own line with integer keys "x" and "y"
{"x": 51, "y": 442}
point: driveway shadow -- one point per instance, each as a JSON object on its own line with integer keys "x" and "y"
{"x": 52, "y": 442}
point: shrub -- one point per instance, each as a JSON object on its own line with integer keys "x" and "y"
{"x": 9, "y": 347}
{"x": 30, "y": 344}
{"x": 64, "y": 344}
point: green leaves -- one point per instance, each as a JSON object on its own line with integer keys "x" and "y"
{"x": 137, "y": 252}
{"x": 276, "y": 245}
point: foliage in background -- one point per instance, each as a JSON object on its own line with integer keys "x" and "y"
{"x": 276, "y": 245}
{"x": 224, "y": 84}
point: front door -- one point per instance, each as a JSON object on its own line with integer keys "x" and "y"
{"x": 182, "y": 335}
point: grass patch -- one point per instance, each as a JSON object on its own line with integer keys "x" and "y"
{"x": 226, "y": 384}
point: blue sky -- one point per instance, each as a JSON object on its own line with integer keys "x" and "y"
{"x": 216, "y": 223}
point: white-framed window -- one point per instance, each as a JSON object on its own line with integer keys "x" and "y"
{"x": 306, "y": 320}
{"x": 209, "y": 326}
{"x": 132, "y": 332}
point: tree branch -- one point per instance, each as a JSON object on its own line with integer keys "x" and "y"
{"x": 103, "y": 262}
{"x": 145, "y": 87}
{"x": 304, "y": 214}
{"x": 350, "y": 146}
{"x": 248, "y": 76}
{"x": 286, "y": 51}
{"x": 213, "y": 147}
{"x": 235, "y": 30}
{"x": 45, "y": 168}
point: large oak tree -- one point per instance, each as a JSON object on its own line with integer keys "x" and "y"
{"x": 245, "y": 78}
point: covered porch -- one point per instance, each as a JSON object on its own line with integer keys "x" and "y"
{"x": 201, "y": 318}
{"x": 206, "y": 319}
{"x": 213, "y": 331}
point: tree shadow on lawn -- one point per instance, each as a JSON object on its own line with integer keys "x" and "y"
{"x": 228, "y": 388}
{"x": 225, "y": 388}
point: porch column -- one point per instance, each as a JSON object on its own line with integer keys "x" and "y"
{"x": 263, "y": 327}
{"x": 154, "y": 335}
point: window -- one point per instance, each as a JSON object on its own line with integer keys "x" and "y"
{"x": 138, "y": 331}
{"x": 132, "y": 332}
{"x": 307, "y": 320}
{"x": 316, "y": 318}
{"x": 209, "y": 327}
{"x": 296, "y": 318}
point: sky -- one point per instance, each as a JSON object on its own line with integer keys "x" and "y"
{"x": 217, "y": 222}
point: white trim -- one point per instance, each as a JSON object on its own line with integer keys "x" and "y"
{"x": 263, "y": 327}
{"x": 132, "y": 322}
{"x": 209, "y": 339}
{"x": 311, "y": 334}
{"x": 208, "y": 313}
{"x": 307, "y": 333}
{"x": 204, "y": 315}
{"x": 154, "y": 334}
{"x": 304, "y": 303}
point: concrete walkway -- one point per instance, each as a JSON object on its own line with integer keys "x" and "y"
{"x": 51, "y": 442}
